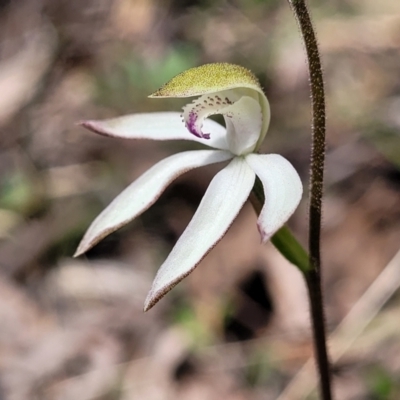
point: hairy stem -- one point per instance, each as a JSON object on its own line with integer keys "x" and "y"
{"x": 313, "y": 277}
{"x": 318, "y": 128}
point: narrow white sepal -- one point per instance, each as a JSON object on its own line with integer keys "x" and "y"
{"x": 220, "y": 205}
{"x": 282, "y": 189}
{"x": 157, "y": 126}
{"x": 143, "y": 192}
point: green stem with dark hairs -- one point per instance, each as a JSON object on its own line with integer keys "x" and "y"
{"x": 313, "y": 276}
{"x": 284, "y": 241}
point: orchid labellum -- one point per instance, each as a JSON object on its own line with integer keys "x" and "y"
{"x": 235, "y": 93}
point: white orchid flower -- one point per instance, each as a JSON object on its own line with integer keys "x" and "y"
{"x": 225, "y": 89}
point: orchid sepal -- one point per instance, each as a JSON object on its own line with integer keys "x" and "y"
{"x": 223, "y": 200}
{"x": 144, "y": 192}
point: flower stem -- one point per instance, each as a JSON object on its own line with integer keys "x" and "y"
{"x": 288, "y": 245}
{"x": 313, "y": 276}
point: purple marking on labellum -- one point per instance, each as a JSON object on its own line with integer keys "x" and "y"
{"x": 191, "y": 125}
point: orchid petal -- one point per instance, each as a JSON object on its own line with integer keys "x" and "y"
{"x": 220, "y": 205}
{"x": 282, "y": 189}
{"x": 214, "y": 78}
{"x": 156, "y": 126}
{"x": 243, "y": 125}
{"x": 142, "y": 193}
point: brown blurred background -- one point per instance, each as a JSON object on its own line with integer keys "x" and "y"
{"x": 237, "y": 328}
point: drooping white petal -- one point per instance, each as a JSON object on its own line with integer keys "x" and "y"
{"x": 221, "y": 203}
{"x": 143, "y": 192}
{"x": 241, "y": 111}
{"x": 156, "y": 126}
{"x": 282, "y": 190}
